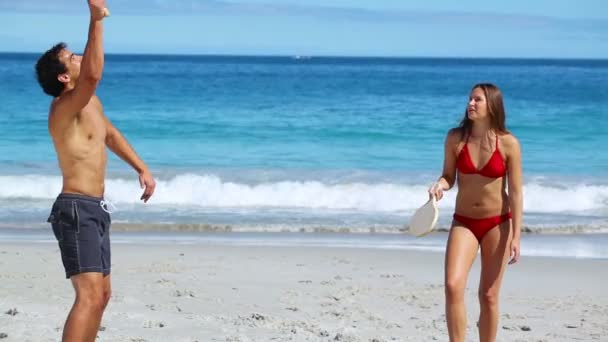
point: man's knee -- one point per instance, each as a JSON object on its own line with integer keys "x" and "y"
{"x": 92, "y": 300}
{"x": 107, "y": 294}
{"x": 90, "y": 292}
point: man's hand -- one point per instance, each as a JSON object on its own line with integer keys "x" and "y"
{"x": 146, "y": 181}
{"x": 97, "y": 8}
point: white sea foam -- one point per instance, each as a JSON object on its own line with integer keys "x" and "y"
{"x": 210, "y": 191}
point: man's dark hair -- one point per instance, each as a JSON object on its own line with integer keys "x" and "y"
{"x": 48, "y": 68}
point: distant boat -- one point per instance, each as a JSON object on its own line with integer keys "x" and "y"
{"x": 300, "y": 57}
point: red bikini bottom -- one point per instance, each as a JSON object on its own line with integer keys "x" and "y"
{"x": 480, "y": 227}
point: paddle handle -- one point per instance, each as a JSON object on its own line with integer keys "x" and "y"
{"x": 433, "y": 192}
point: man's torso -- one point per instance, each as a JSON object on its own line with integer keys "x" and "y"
{"x": 80, "y": 145}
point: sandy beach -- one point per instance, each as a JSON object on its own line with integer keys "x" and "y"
{"x": 192, "y": 292}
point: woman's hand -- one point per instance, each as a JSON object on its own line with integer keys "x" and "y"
{"x": 436, "y": 190}
{"x": 514, "y": 249}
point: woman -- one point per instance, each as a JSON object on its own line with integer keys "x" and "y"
{"x": 487, "y": 159}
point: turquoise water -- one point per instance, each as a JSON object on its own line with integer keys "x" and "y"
{"x": 331, "y": 142}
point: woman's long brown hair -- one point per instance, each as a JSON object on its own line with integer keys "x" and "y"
{"x": 496, "y": 110}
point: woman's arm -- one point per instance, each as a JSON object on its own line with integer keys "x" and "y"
{"x": 448, "y": 175}
{"x": 516, "y": 201}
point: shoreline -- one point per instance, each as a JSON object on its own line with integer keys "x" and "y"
{"x": 563, "y": 246}
{"x": 154, "y": 227}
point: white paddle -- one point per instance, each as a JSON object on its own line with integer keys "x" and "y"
{"x": 425, "y": 218}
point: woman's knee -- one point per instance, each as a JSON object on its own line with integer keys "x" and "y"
{"x": 489, "y": 297}
{"x": 454, "y": 288}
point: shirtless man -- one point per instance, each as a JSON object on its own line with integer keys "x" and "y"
{"x": 81, "y": 132}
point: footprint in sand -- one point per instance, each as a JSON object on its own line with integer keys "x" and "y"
{"x": 150, "y": 324}
{"x": 12, "y": 312}
{"x": 342, "y": 261}
{"x": 184, "y": 293}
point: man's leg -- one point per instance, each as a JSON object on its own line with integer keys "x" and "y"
{"x": 84, "y": 318}
{"x": 107, "y": 291}
{"x": 106, "y": 259}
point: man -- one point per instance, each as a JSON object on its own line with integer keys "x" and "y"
{"x": 81, "y": 132}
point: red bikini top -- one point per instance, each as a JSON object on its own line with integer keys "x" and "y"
{"x": 495, "y": 168}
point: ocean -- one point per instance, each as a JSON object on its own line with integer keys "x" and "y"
{"x": 279, "y": 144}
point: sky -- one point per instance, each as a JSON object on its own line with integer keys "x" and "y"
{"x": 438, "y": 28}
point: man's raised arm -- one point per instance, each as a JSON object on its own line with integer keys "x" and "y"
{"x": 91, "y": 67}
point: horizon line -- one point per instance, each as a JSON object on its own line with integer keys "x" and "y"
{"x": 312, "y": 56}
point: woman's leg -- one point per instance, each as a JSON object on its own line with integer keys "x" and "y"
{"x": 459, "y": 257}
{"x": 494, "y": 258}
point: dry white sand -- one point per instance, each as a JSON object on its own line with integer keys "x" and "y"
{"x": 170, "y": 292}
